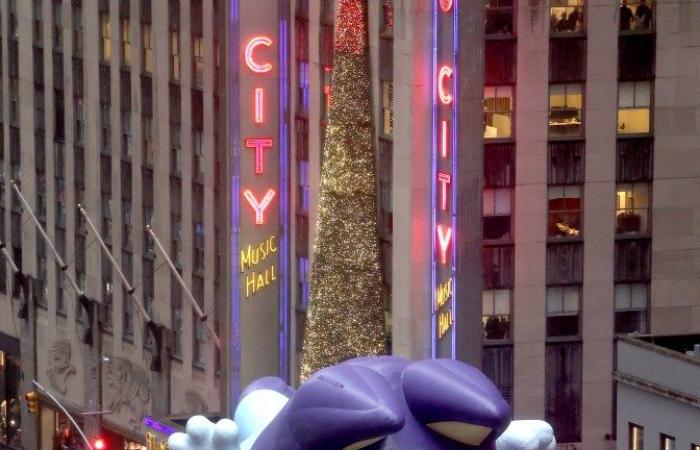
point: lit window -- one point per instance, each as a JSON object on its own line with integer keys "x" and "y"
{"x": 495, "y": 318}
{"x": 175, "y": 55}
{"x": 106, "y": 32}
{"x": 562, "y": 310}
{"x": 499, "y": 17}
{"x": 497, "y": 213}
{"x": 498, "y": 111}
{"x": 565, "y": 109}
{"x": 636, "y": 15}
{"x": 564, "y": 211}
{"x": 634, "y": 107}
{"x": 147, "y": 48}
{"x": 636, "y": 437}
{"x": 566, "y": 16}
{"x": 387, "y": 17}
{"x": 388, "y": 107}
{"x": 198, "y": 61}
{"x": 631, "y": 301}
{"x": 126, "y": 43}
{"x": 668, "y": 442}
{"x": 632, "y": 208}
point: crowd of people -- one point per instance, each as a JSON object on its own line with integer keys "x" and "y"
{"x": 568, "y": 20}
{"x": 571, "y": 19}
{"x": 639, "y": 19}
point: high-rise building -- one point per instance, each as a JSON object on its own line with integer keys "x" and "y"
{"x": 537, "y": 185}
{"x": 117, "y": 106}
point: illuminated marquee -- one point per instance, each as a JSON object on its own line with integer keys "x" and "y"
{"x": 260, "y": 191}
{"x": 444, "y": 157}
{"x": 259, "y": 202}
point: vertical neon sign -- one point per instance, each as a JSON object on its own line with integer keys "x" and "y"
{"x": 444, "y": 178}
{"x": 260, "y": 189}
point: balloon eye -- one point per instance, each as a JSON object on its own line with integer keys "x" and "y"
{"x": 363, "y": 444}
{"x": 464, "y": 433}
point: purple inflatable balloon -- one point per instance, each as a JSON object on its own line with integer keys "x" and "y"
{"x": 388, "y": 403}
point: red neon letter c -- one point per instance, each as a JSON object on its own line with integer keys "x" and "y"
{"x": 250, "y": 48}
{"x": 445, "y": 97}
{"x": 445, "y": 5}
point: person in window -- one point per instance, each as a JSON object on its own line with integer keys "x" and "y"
{"x": 643, "y": 15}
{"x": 574, "y": 18}
{"x": 625, "y": 16}
{"x": 563, "y": 23}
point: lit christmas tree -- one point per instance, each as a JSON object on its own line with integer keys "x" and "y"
{"x": 346, "y": 307}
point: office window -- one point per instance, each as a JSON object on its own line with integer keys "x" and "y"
{"x": 566, "y": 16}
{"x": 126, "y": 42}
{"x": 499, "y": 17}
{"x": 498, "y": 111}
{"x": 563, "y": 310}
{"x": 499, "y": 165}
{"x": 567, "y": 60}
{"x": 387, "y": 28}
{"x": 566, "y": 162}
{"x": 497, "y": 207}
{"x": 77, "y": 18}
{"x": 197, "y": 62}
{"x": 57, "y": 15}
{"x": 563, "y": 390}
{"x": 175, "y": 55}
{"x": 564, "y": 203}
{"x": 38, "y": 26}
{"x": 565, "y": 110}
{"x": 303, "y": 87}
{"x": 388, "y": 107}
{"x": 631, "y": 300}
{"x": 636, "y": 437}
{"x": 498, "y": 264}
{"x": 106, "y": 36}
{"x": 304, "y": 269}
{"x": 636, "y": 15}
{"x": 635, "y": 159}
{"x": 147, "y": 42}
{"x": 497, "y": 365}
{"x": 176, "y": 316}
{"x": 634, "y": 107}
{"x": 632, "y": 260}
{"x": 667, "y": 442}
{"x": 495, "y": 317}
{"x": 632, "y": 208}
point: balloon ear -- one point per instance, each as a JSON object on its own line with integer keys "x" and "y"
{"x": 256, "y": 410}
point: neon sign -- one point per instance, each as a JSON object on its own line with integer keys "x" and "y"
{"x": 260, "y": 191}
{"x": 444, "y": 160}
{"x": 250, "y": 60}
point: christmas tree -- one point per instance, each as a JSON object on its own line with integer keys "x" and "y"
{"x": 346, "y": 307}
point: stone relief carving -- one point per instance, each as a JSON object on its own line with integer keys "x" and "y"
{"x": 194, "y": 403}
{"x": 127, "y": 390}
{"x": 60, "y": 366}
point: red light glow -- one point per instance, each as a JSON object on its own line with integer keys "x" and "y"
{"x": 259, "y": 206}
{"x": 99, "y": 444}
{"x": 259, "y": 144}
{"x": 445, "y": 97}
{"x": 259, "y": 105}
{"x": 443, "y": 139}
{"x": 444, "y": 179}
{"x": 444, "y": 238}
{"x": 249, "y": 58}
{"x": 446, "y": 5}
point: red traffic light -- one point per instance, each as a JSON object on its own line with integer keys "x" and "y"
{"x": 99, "y": 444}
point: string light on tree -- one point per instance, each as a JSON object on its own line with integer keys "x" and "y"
{"x": 346, "y": 306}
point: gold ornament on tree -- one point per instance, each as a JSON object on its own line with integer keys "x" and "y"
{"x": 346, "y": 307}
